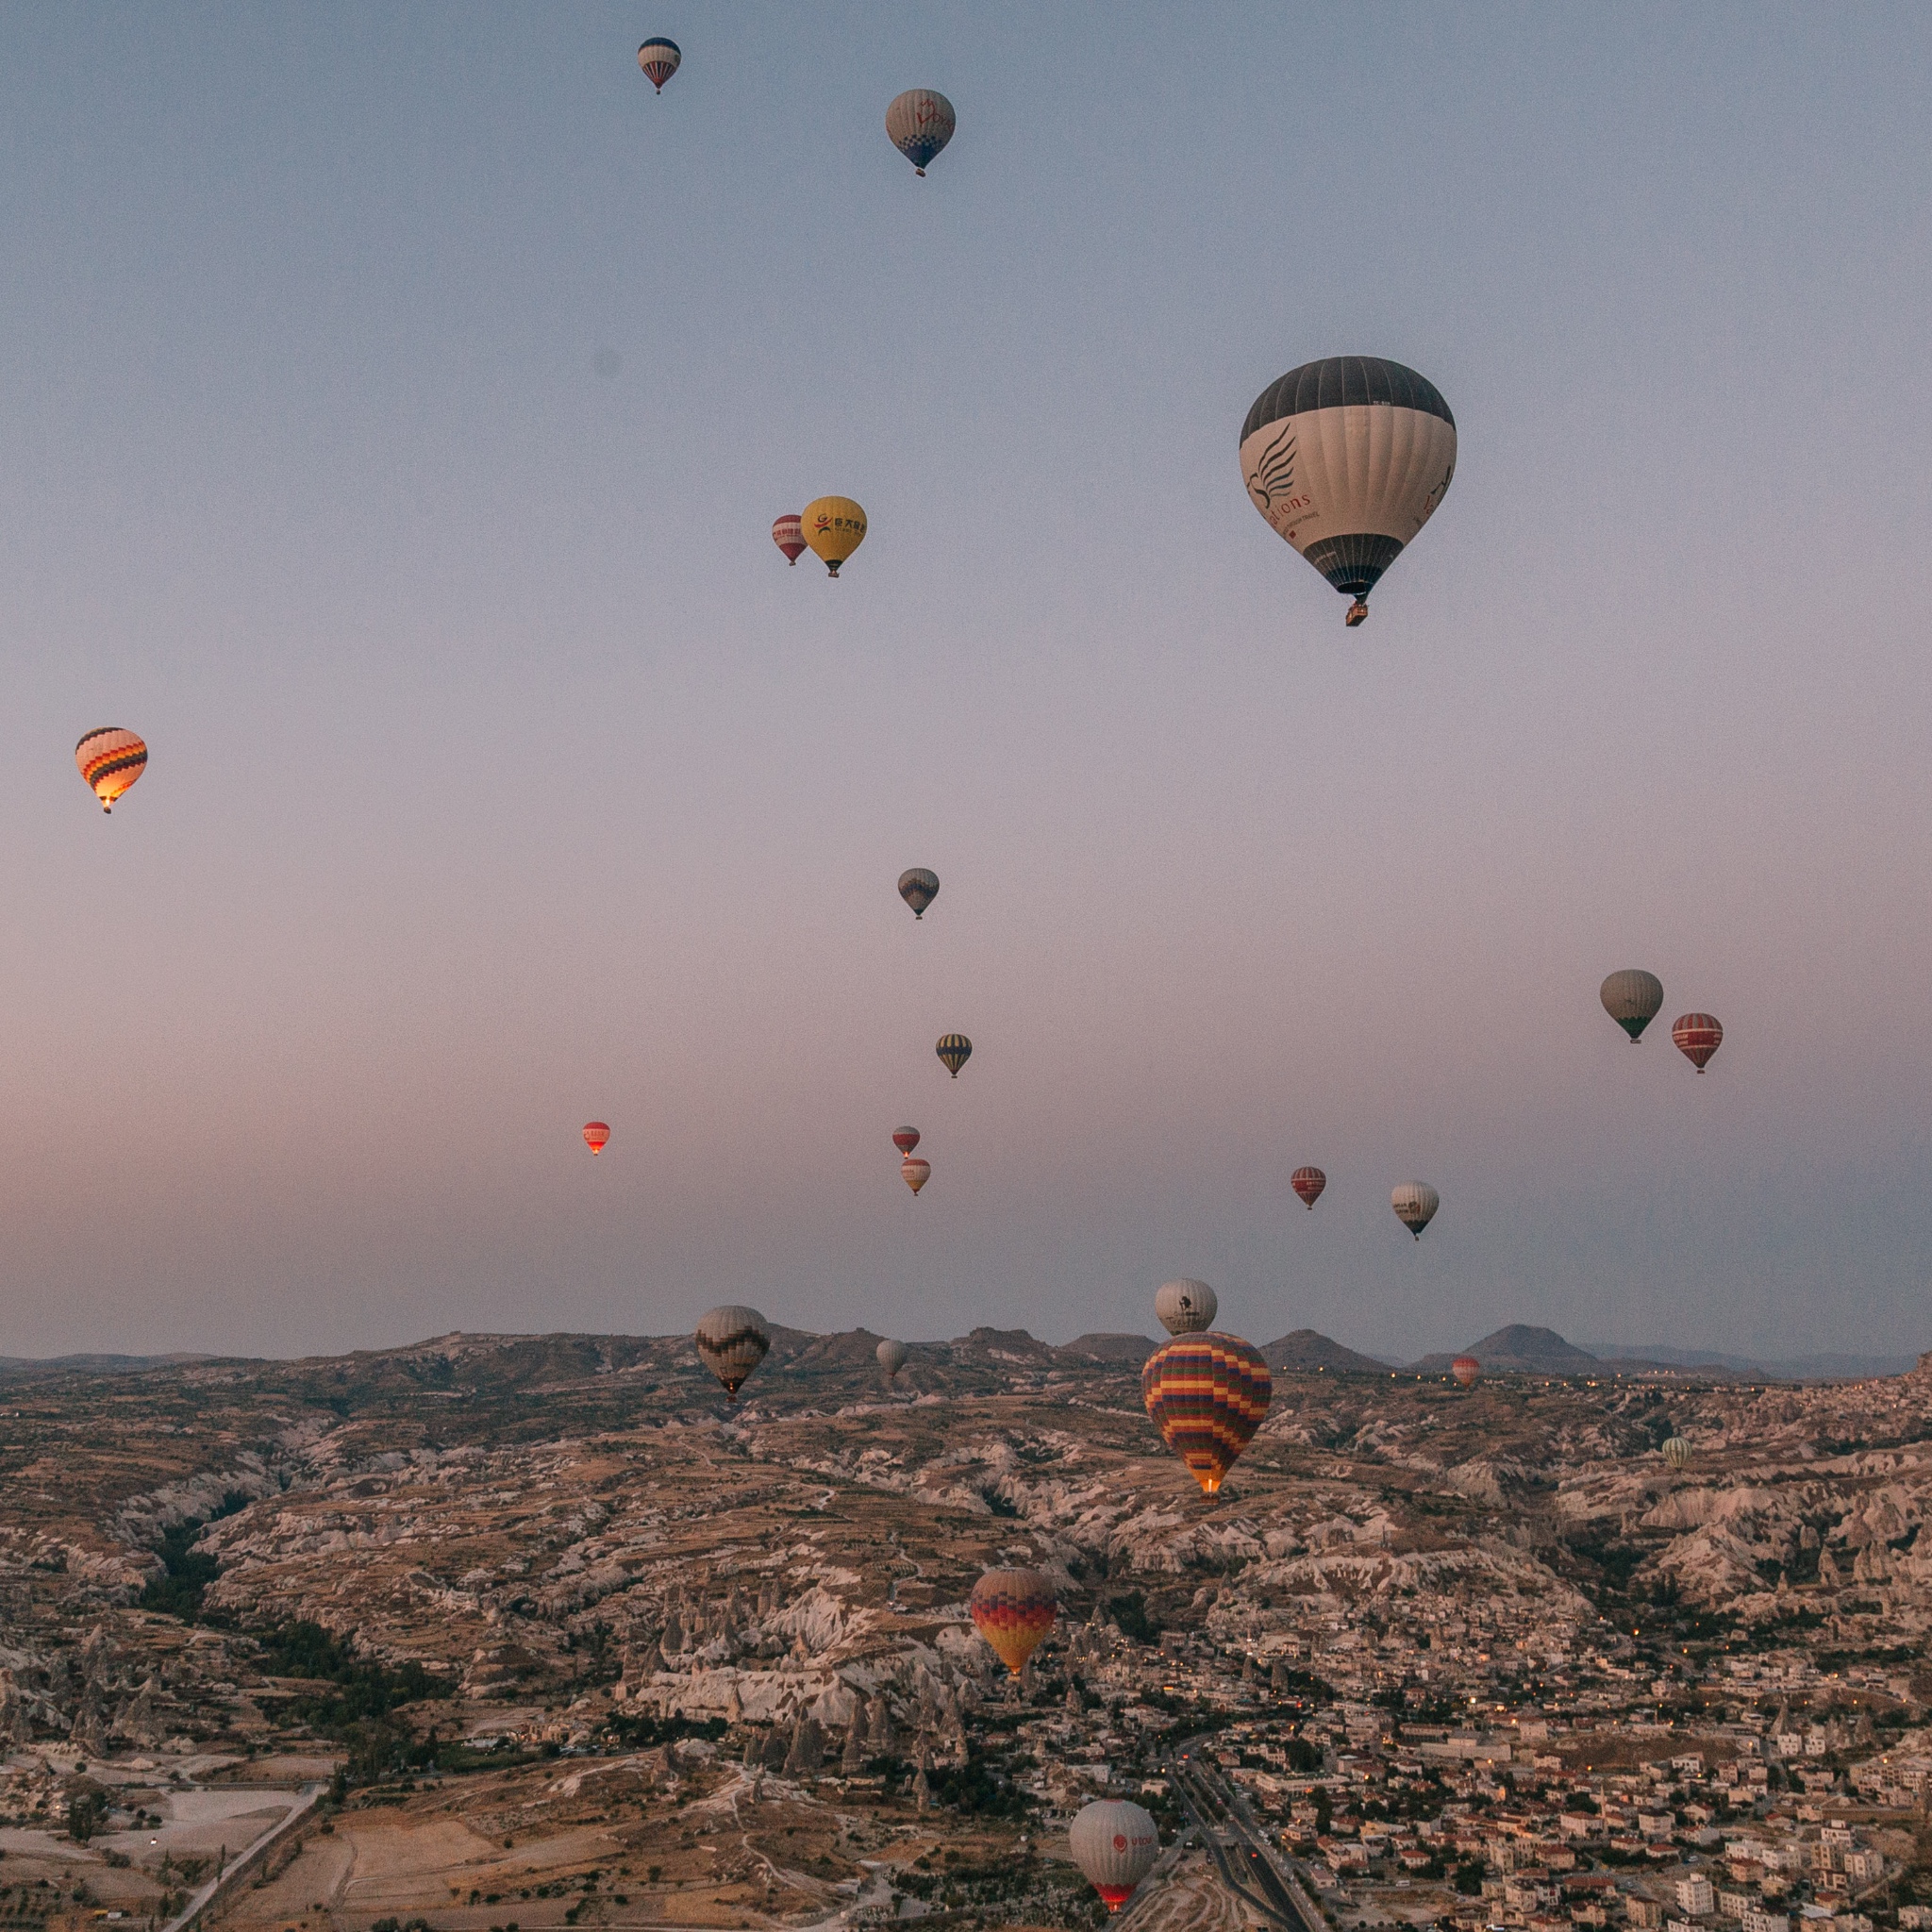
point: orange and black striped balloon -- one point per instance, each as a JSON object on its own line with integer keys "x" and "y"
{"x": 111, "y": 760}
{"x": 1207, "y": 1395}
{"x": 1013, "y": 1610}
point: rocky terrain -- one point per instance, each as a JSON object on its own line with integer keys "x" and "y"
{"x": 434, "y": 1562}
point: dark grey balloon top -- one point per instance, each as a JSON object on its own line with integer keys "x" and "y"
{"x": 1337, "y": 380}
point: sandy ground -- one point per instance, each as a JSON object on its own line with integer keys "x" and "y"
{"x": 1192, "y": 1900}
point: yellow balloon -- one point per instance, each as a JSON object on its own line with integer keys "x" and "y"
{"x": 835, "y": 528}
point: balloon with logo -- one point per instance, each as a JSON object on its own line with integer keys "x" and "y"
{"x": 892, "y": 1356}
{"x": 1633, "y": 998}
{"x": 834, "y": 528}
{"x": 1466, "y": 1370}
{"x": 1013, "y": 1610}
{"x": 919, "y": 889}
{"x": 915, "y": 1173}
{"x": 1207, "y": 1395}
{"x": 731, "y": 1343}
{"x": 788, "y": 533}
{"x": 1347, "y": 458}
{"x": 111, "y": 760}
{"x": 919, "y": 123}
{"x": 1115, "y": 1844}
{"x": 954, "y": 1050}
{"x": 596, "y": 1136}
{"x": 1415, "y": 1204}
{"x": 1697, "y": 1036}
{"x": 659, "y": 58}
{"x": 1185, "y": 1307}
{"x": 1309, "y": 1182}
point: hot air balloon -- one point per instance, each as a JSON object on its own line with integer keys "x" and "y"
{"x": 919, "y": 889}
{"x": 1698, "y": 1035}
{"x": 111, "y": 760}
{"x": 788, "y": 533}
{"x": 1185, "y": 1307}
{"x": 1347, "y": 458}
{"x": 915, "y": 1173}
{"x": 1465, "y": 1368}
{"x": 1013, "y": 1610}
{"x": 835, "y": 528}
{"x": 732, "y": 1341}
{"x": 1207, "y": 1395}
{"x": 954, "y": 1050}
{"x": 596, "y": 1135}
{"x": 1677, "y": 1453}
{"x": 1415, "y": 1204}
{"x": 892, "y": 1356}
{"x": 1115, "y": 1844}
{"x": 919, "y": 123}
{"x": 659, "y": 59}
{"x": 904, "y": 1139}
{"x": 1309, "y": 1182}
{"x": 1633, "y": 998}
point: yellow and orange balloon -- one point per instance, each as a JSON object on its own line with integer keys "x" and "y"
{"x": 111, "y": 760}
{"x": 1013, "y": 1610}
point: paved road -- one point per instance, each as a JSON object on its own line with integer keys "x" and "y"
{"x": 243, "y": 1863}
{"x": 1249, "y": 1865}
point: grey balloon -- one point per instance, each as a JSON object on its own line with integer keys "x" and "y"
{"x": 919, "y": 889}
{"x": 892, "y": 1356}
{"x": 1633, "y": 998}
{"x": 1185, "y": 1307}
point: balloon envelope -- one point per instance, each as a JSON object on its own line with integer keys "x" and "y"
{"x": 1465, "y": 1368}
{"x": 914, "y": 1172}
{"x": 1185, "y": 1307}
{"x": 919, "y": 123}
{"x": 919, "y": 889}
{"x": 1309, "y": 1182}
{"x": 788, "y": 533}
{"x": 904, "y": 1139}
{"x": 834, "y": 526}
{"x": 954, "y": 1050}
{"x": 1677, "y": 1453}
{"x": 1013, "y": 1610}
{"x": 1347, "y": 458}
{"x": 731, "y": 1342}
{"x": 1633, "y": 998}
{"x": 1415, "y": 1204}
{"x": 1207, "y": 1395}
{"x": 659, "y": 59}
{"x": 1698, "y": 1035}
{"x": 596, "y": 1135}
{"x": 1115, "y": 1844}
{"x": 111, "y": 760}
{"x": 892, "y": 1356}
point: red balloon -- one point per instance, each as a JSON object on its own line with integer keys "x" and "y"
{"x": 1465, "y": 1368}
{"x": 788, "y": 533}
{"x": 595, "y": 1134}
{"x": 1309, "y": 1182}
{"x": 1698, "y": 1035}
{"x": 904, "y": 1139}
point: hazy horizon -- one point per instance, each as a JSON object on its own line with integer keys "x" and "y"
{"x": 504, "y": 777}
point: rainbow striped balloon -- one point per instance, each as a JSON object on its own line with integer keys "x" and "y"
{"x": 1207, "y": 1395}
{"x": 111, "y": 760}
{"x": 1013, "y": 1610}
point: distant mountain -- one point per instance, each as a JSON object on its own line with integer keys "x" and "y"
{"x": 1798, "y": 1368}
{"x": 1131, "y": 1349}
{"x": 1308, "y": 1352}
{"x": 94, "y": 1364}
{"x": 1521, "y": 1349}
